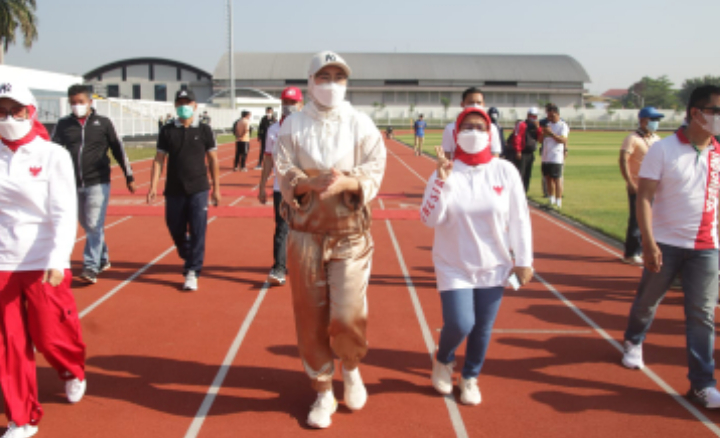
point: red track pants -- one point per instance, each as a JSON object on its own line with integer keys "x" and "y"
{"x": 33, "y": 312}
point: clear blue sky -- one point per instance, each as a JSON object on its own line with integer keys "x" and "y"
{"x": 617, "y": 41}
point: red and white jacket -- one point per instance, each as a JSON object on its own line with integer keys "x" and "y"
{"x": 480, "y": 214}
{"x": 38, "y": 207}
{"x": 685, "y": 208}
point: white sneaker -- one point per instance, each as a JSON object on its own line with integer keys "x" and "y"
{"x": 633, "y": 357}
{"x": 634, "y": 260}
{"x": 322, "y": 410}
{"x": 708, "y": 397}
{"x": 75, "y": 389}
{"x": 355, "y": 393}
{"x": 15, "y": 431}
{"x": 469, "y": 392}
{"x": 442, "y": 379}
{"x": 191, "y": 281}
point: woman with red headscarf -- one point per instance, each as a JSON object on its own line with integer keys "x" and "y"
{"x": 477, "y": 206}
{"x": 38, "y": 223}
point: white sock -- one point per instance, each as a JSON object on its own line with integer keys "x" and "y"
{"x": 558, "y": 202}
{"x": 552, "y": 200}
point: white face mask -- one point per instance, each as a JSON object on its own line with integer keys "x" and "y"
{"x": 329, "y": 94}
{"x": 80, "y": 110}
{"x": 288, "y": 109}
{"x": 476, "y": 105}
{"x": 14, "y": 130}
{"x": 711, "y": 124}
{"x": 473, "y": 141}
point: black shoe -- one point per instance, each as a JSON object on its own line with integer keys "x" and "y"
{"x": 276, "y": 277}
{"x": 105, "y": 266}
{"x": 88, "y": 276}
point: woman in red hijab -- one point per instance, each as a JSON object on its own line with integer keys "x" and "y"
{"x": 38, "y": 217}
{"x": 477, "y": 206}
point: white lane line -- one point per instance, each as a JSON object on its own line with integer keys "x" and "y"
{"x": 537, "y": 332}
{"x": 130, "y": 279}
{"x": 119, "y": 221}
{"x": 577, "y": 233}
{"x": 222, "y": 373}
{"x": 450, "y": 403}
{"x": 406, "y": 165}
{"x": 682, "y": 401}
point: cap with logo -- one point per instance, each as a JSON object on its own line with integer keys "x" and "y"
{"x": 185, "y": 94}
{"x": 325, "y": 59}
{"x": 17, "y": 92}
{"x": 650, "y": 112}
{"x": 533, "y": 111}
{"x": 292, "y": 93}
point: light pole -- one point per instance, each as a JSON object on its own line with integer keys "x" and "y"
{"x": 231, "y": 59}
{"x": 642, "y": 99}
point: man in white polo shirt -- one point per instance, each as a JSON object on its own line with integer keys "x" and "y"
{"x": 677, "y": 209}
{"x": 555, "y": 135}
{"x": 472, "y": 97}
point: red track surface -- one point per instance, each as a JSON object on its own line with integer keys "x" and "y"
{"x": 154, "y": 352}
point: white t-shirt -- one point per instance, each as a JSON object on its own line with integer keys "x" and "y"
{"x": 479, "y": 214}
{"x": 271, "y": 138}
{"x": 685, "y": 212}
{"x": 448, "y": 139}
{"x": 554, "y": 151}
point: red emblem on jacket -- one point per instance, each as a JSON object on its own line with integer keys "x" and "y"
{"x": 498, "y": 190}
{"x": 35, "y": 171}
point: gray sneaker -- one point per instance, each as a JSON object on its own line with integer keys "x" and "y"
{"x": 276, "y": 277}
{"x": 88, "y": 276}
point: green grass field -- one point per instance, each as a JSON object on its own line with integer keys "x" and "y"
{"x": 135, "y": 154}
{"x": 594, "y": 189}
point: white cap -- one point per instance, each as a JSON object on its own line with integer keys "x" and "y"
{"x": 326, "y": 58}
{"x": 533, "y": 111}
{"x": 17, "y": 92}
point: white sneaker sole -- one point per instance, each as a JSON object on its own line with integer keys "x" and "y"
{"x": 276, "y": 281}
{"x": 632, "y": 366}
{"x": 315, "y": 425}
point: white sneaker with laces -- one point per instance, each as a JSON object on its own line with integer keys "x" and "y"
{"x": 469, "y": 392}
{"x": 320, "y": 412}
{"x": 708, "y": 397}
{"x": 75, "y": 389}
{"x": 633, "y": 357}
{"x": 442, "y": 377}
{"x": 15, "y": 431}
{"x": 191, "y": 281}
{"x": 355, "y": 393}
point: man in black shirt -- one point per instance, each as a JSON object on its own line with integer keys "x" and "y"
{"x": 265, "y": 123}
{"x": 186, "y": 144}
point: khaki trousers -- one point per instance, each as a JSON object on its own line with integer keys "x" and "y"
{"x": 329, "y": 277}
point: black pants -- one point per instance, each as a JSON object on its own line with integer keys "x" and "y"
{"x": 525, "y": 167}
{"x": 241, "y": 151}
{"x": 280, "y": 237}
{"x": 186, "y": 219}
{"x": 633, "y": 237}
{"x": 262, "y": 153}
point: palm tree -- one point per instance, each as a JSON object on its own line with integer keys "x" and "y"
{"x": 16, "y": 14}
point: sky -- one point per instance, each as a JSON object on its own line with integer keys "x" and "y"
{"x": 616, "y": 41}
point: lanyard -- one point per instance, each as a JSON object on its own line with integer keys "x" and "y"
{"x": 699, "y": 153}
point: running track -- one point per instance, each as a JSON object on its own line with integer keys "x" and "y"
{"x": 222, "y": 362}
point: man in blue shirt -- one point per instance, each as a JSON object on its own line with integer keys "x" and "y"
{"x": 420, "y": 126}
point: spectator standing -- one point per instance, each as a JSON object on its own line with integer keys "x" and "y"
{"x": 419, "y": 128}
{"x": 267, "y": 120}
{"x": 206, "y": 119}
{"x": 633, "y": 150}
{"x": 472, "y": 97}
{"x": 242, "y": 141}
{"x": 524, "y": 145}
{"x": 88, "y": 137}
{"x": 494, "y": 114}
{"x": 677, "y": 211}
{"x": 555, "y": 134}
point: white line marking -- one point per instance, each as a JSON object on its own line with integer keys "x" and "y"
{"x": 80, "y": 239}
{"x": 578, "y": 234}
{"x": 130, "y": 279}
{"x": 406, "y": 165}
{"x": 222, "y": 373}
{"x": 543, "y": 332}
{"x": 647, "y": 371}
{"x": 450, "y": 402}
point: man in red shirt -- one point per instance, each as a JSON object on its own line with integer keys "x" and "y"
{"x": 525, "y": 142}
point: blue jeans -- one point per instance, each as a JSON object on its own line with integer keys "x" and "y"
{"x": 186, "y": 219}
{"x": 699, "y": 271}
{"x": 470, "y": 314}
{"x": 633, "y": 238}
{"x": 92, "y": 207}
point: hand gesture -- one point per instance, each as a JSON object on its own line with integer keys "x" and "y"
{"x": 335, "y": 183}
{"x": 444, "y": 166}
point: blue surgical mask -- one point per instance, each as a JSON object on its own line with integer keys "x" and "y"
{"x": 653, "y": 125}
{"x": 185, "y": 112}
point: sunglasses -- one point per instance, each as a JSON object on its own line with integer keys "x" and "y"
{"x": 16, "y": 112}
{"x": 715, "y": 110}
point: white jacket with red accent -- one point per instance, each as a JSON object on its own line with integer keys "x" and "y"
{"x": 38, "y": 207}
{"x": 479, "y": 215}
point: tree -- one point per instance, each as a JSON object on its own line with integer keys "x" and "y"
{"x": 690, "y": 84}
{"x": 651, "y": 92}
{"x": 16, "y": 14}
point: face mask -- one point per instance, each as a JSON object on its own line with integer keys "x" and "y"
{"x": 185, "y": 112}
{"x": 80, "y": 111}
{"x": 329, "y": 95}
{"x": 14, "y": 130}
{"x": 473, "y": 141}
{"x": 288, "y": 109}
{"x": 712, "y": 124}
{"x": 653, "y": 125}
{"x": 476, "y": 105}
